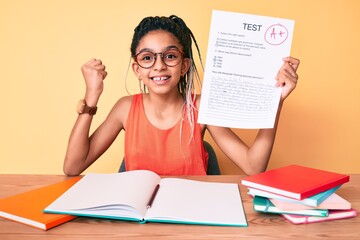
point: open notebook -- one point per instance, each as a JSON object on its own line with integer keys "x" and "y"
{"x": 125, "y": 196}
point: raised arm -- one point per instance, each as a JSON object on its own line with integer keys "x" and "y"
{"x": 83, "y": 150}
{"x": 254, "y": 159}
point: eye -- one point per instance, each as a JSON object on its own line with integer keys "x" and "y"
{"x": 171, "y": 55}
{"x": 146, "y": 56}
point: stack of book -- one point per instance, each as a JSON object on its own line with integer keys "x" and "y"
{"x": 300, "y": 194}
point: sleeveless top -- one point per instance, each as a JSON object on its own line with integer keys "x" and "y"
{"x": 163, "y": 151}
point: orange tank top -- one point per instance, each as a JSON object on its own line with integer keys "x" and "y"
{"x": 162, "y": 151}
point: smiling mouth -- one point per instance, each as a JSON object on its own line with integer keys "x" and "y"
{"x": 160, "y": 79}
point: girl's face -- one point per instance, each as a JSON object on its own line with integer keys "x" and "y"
{"x": 160, "y": 78}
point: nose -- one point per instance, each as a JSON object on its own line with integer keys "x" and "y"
{"x": 159, "y": 62}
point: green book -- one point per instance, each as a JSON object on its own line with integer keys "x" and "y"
{"x": 262, "y": 204}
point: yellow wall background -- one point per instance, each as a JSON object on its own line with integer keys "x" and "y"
{"x": 44, "y": 43}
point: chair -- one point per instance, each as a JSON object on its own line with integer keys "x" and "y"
{"x": 213, "y": 165}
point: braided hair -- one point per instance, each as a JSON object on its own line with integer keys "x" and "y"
{"x": 178, "y": 28}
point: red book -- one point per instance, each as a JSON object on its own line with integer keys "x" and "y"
{"x": 297, "y": 182}
{"x": 27, "y": 207}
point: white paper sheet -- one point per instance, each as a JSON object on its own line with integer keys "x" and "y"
{"x": 244, "y": 55}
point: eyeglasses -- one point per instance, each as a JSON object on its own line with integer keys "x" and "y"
{"x": 147, "y": 59}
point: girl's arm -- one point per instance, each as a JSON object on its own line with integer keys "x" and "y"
{"x": 83, "y": 150}
{"x": 254, "y": 159}
{"x": 251, "y": 159}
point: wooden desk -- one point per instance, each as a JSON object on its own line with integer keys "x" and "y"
{"x": 261, "y": 226}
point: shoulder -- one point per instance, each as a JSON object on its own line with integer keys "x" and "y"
{"x": 125, "y": 101}
{"x": 123, "y": 105}
{"x": 121, "y": 109}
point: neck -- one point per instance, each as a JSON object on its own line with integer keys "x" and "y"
{"x": 165, "y": 105}
{"x": 163, "y": 111}
{"x": 165, "y": 101}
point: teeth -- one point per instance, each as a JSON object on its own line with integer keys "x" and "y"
{"x": 160, "y": 78}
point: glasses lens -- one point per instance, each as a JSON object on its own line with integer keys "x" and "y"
{"x": 145, "y": 59}
{"x": 172, "y": 57}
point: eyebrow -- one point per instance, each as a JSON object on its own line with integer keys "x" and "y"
{"x": 151, "y": 50}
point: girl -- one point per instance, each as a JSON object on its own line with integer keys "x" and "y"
{"x": 161, "y": 129}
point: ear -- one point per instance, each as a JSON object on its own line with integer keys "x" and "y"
{"x": 185, "y": 66}
{"x": 136, "y": 69}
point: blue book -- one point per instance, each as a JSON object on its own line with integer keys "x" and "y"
{"x": 262, "y": 204}
{"x": 312, "y": 201}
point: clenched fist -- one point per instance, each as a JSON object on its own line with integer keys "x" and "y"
{"x": 94, "y": 73}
